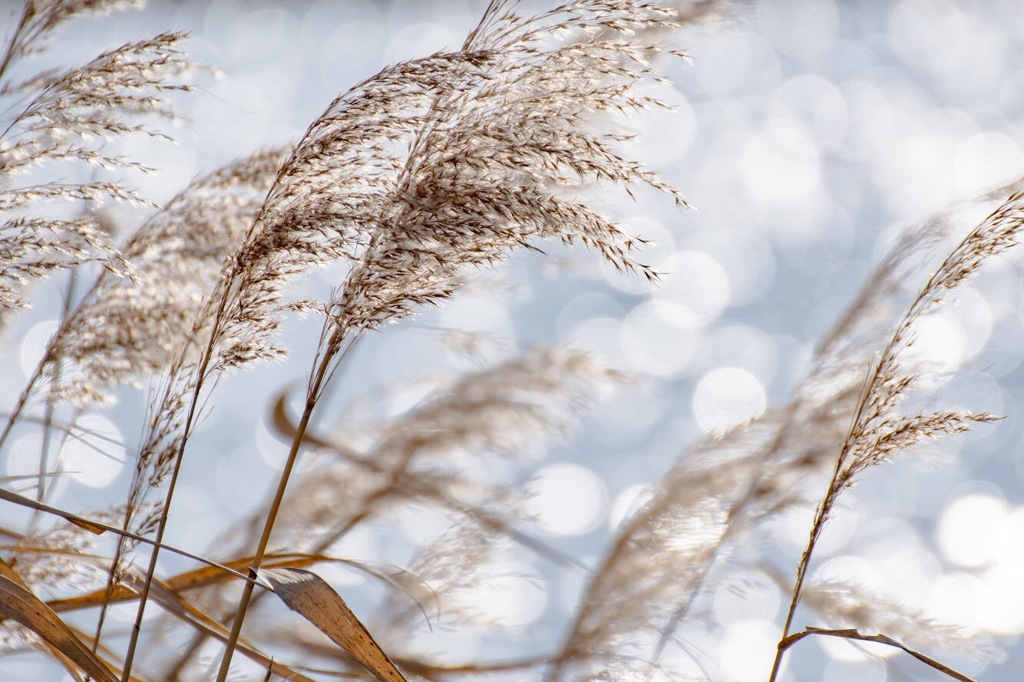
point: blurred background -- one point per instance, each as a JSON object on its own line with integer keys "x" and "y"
{"x": 807, "y": 135}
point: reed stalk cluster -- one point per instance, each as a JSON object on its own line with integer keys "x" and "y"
{"x": 411, "y": 186}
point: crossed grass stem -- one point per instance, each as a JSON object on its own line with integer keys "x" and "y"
{"x": 332, "y": 354}
{"x": 334, "y": 349}
{"x": 877, "y": 430}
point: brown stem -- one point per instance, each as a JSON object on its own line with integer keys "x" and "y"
{"x": 312, "y": 395}
{"x": 823, "y": 510}
{"x": 853, "y": 634}
{"x": 12, "y": 46}
{"x": 49, "y": 409}
{"x": 193, "y": 407}
{"x": 26, "y": 393}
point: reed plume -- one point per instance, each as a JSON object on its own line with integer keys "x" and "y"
{"x": 70, "y": 116}
{"x": 724, "y": 488}
{"x": 408, "y": 185}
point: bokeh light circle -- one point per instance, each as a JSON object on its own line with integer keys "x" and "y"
{"x": 727, "y": 396}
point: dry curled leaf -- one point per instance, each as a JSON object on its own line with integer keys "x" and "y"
{"x": 309, "y": 595}
{"x": 18, "y": 603}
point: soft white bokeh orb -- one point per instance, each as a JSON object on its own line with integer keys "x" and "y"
{"x": 657, "y": 338}
{"x": 627, "y": 503}
{"x": 904, "y": 566}
{"x": 969, "y": 529}
{"x": 963, "y": 599}
{"x": 1009, "y": 547}
{"x": 746, "y": 595}
{"x": 22, "y": 459}
{"x": 727, "y": 396}
{"x": 567, "y": 499}
{"x": 938, "y": 346}
{"x": 508, "y": 600}
{"x": 95, "y": 454}
{"x": 748, "y": 649}
{"x": 33, "y": 345}
{"x": 698, "y": 284}
{"x": 1006, "y": 613}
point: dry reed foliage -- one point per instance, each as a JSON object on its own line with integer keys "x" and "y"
{"x": 72, "y": 116}
{"x": 879, "y": 429}
{"x": 447, "y": 162}
{"x": 433, "y": 458}
{"x": 434, "y": 166}
{"x": 435, "y": 452}
{"x": 722, "y": 490}
{"x": 128, "y": 330}
{"x": 410, "y": 181}
{"x": 125, "y": 330}
{"x": 422, "y": 171}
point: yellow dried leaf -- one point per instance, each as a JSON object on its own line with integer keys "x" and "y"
{"x": 309, "y": 595}
{"x": 19, "y": 604}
